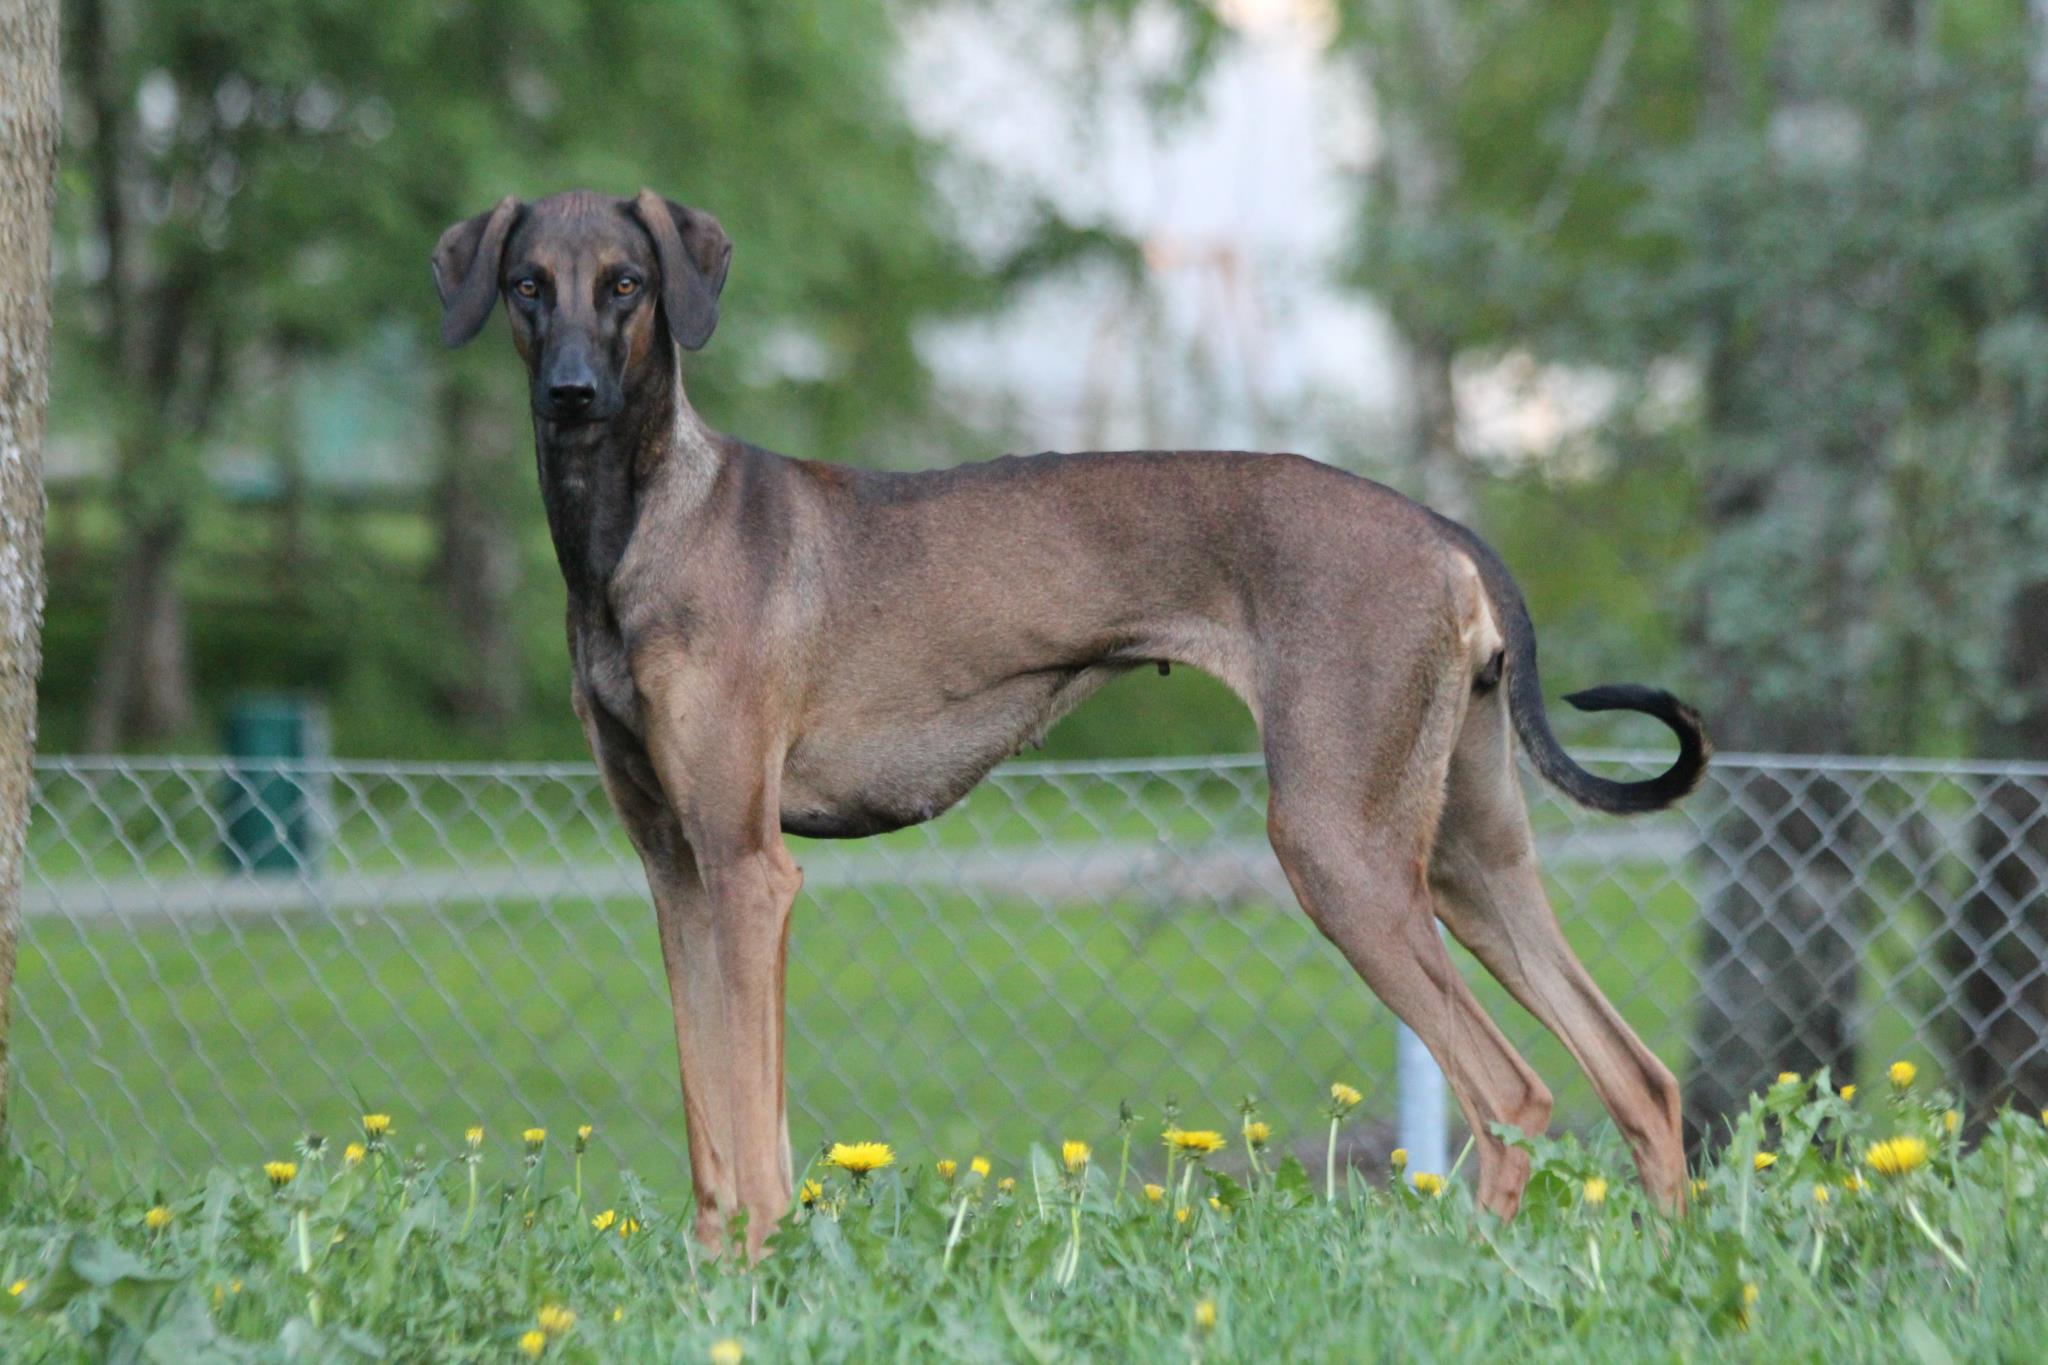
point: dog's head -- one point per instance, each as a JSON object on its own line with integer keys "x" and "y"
{"x": 596, "y": 287}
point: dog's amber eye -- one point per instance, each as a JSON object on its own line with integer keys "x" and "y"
{"x": 626, "y": 286}
{"x": 526, "y": 289}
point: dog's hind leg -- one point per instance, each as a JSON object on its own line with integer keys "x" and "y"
{"x": 1490, "y": 894}
{"x": 1357, "y": 784}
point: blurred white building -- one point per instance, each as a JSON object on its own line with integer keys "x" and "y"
{"x": 1244, "y": 200}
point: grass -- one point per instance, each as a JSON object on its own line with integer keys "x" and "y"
{"x": 164, "y": 1045}
{"x": 1820, "y": 1255}
{"x": 150, "y": 1050}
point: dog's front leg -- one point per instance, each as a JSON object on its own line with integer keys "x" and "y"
{"x": 721, "y": 783}
{"x": 689, "y": 958}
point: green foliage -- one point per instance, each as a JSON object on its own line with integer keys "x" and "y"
{"x": 1815, "y": 1255}
{"x": 1828, "y": 231}
{"x": 280, "y": 172}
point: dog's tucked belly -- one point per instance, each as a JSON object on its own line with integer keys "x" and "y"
{"x": 852, "y": 775}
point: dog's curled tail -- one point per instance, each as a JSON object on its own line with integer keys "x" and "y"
{"x": 1532, "y": 720}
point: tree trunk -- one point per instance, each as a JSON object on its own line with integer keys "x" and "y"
{"x": 1434, "y": 449}
{"x": 144, "y": 686}
{"x": 28, "y": 166}
{"x": 1414, "y": 86}
{"x": 1994, "y": 950}
{"x": 476, "y": 567}
{"x": 1781, "y": 924}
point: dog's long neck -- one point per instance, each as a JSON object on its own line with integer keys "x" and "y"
{"x": 592, "y": 476}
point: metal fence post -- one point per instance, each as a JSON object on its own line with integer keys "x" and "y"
{"x": 1419, "y": 1097}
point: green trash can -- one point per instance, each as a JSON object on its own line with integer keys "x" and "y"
{"x": 272, "y": 802}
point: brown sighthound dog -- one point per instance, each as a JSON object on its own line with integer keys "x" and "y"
{"x": 766, "y": 646}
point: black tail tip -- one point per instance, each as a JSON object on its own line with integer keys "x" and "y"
{"x": 1654, "y": 701}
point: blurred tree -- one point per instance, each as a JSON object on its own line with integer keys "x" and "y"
{"x": 258, "y": 184}
{"x": 1996, "y": 946}
{"x": 28, "y": 172}
{"x": 1820, "y": 214}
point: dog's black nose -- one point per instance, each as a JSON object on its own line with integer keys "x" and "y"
{"x": 572, "y": 399}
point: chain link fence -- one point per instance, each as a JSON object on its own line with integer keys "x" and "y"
{"x": 218, "y": 957}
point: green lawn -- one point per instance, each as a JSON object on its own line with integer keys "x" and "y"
{"x": 941, "y": 1021}
{"x": 163, "y": 1043}
{"x": 1839, "y": 1250}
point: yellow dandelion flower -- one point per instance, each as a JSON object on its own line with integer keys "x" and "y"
{"x": 947, "y": 1168}
{"x": 1902, "y": 1074}
{"x": 1007, "y": 1184}
{"x": 1217, "y": 1204}
{"x": 1765, "y": 1160}
{"x": 603, "y": 1221}
{"x": 376, "y": 1125}
{"x": 809, "y": 1193}
{"x": 353, "y": 1154}
{"x": 618, "y": 1313}
{"x": 1594, "y": 1192}
{"x": 1074, "y": 1156}
{"x": 18, "y": 1288}
{"x": 1788, "y": 1078}
{"x": 1950, "y": 1120}
{"x": 234, "y": 1286}
{"x": 979, "y": 1166}
{"x": 1205, "y": 1315}
{"x": 726, "y": 1352}
{"x": 1155, "y": 1194}
{"x": 1196, "y": 1143}
{"x": 861, "y": 1158}
{"x": 533, "y": 1343}
{"x": 627, "y": 1227}
{"x": 1848, "y": 1092}
{"x": 1344, "y": 1096}
{"x": 584, "y": 1132}
{"x": 474, "y": 1136}
{"x": 280, "y": 1172}
{"x": 1854, "y": 1183}
{"x": 1698, "y": 1188}
{"x": 1182, "y": 1214}
{"x": 1750, "y": 1293}
{"x": 534, "y": 1137}
{"x": 1821, "y": 1195}
{"x": 157, "y": 1219}
{"x": 1896, "y": 1156}
{"x": 1258, "y": 1134}
{"x": 1429, "y": 1183}
{"x": 1398, "y": 1159}
{"x": 555, "y": 1320}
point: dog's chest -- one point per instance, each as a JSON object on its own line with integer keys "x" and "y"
{"x": 605, "y": 673}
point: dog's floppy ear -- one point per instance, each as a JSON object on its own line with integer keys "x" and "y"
{"x": 466, "y": 261}
{"x": 694, "y": 253}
